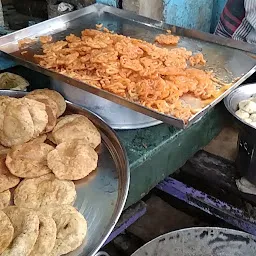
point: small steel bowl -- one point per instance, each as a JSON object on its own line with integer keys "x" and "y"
{"x": 246, "y": 157}
{"x": 232, "y": 100}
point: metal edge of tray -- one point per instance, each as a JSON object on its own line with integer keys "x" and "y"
{"x": 59, "y": 23}
{"x": 24, "y": 33}
{"x": 124, "y": 184}
{"x": 220, "y": 98}
{"x": 101, "y": 8}
{"x": 196, "y": 34}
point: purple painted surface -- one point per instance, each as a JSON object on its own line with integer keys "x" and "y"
{"x": 209, "y": 204}
{"x": 125, "y": 225}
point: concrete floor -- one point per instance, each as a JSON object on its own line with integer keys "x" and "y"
{"x": 224, "y": 145}
{"x": 161, "y": 217}
{"x": 15, "y": 21}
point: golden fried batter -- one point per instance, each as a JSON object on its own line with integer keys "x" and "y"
{"x": 72, "y": 160}
{"x": 75, "y": 126}
{"x": 51, "y": 109}
{"x": 7, "y": 180}
{"x": 4, "y": 101}
{"x": 6, "y": 232}
{"x": 29, "y": 160}
{"x": 18, "y": 126}
{"x": 5, "y": 198}
{"x": 45, "y": 39}
{"x": 71, "y": 228}
{"x": 134, "y": 69}
{"x": 55, "y": 96}
{"x": 167, "y": 39}
{"x": 26, "y": 42}
{"x": 46, "y": 237}
{"x": 197, "y": 59}
{"x": 38, "y": 113}
{"x": 26, "y": 229}
{"x": 44, "y": 190}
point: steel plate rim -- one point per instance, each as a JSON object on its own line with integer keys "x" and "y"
{"x": 127, "y": 185}
{"x": 173, "y": 233}
{"x": 134, "y": 127}
{"x": 80, "y": 97}
{"x": 125, "y": 188}
{"x": 234, "y": 87}
{"x": 121, "y": 127}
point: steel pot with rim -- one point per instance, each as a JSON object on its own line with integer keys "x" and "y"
{"x": 246, "y": 145}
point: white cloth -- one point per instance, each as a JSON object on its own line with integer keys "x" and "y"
{"x": 247, "y": 30}
{"x": 63, "y": 7}
{"x": 245, "y": 186}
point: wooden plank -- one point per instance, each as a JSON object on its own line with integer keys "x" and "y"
{"x": 216, "y": 176}
{"x": 238, "y": 217}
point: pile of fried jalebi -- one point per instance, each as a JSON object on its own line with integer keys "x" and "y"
{"x": 141, "y": 72}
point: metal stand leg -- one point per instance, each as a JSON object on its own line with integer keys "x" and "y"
{"x": 130, "y": 216}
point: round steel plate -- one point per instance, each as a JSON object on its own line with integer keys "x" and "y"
{"x": 242, "y": 93}
{"x": 101, "y": 196}
{"x": 117, "y": 116}
{"x": 201, "y": 242}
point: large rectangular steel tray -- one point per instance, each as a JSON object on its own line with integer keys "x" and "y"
{"x": 229, "y": 59}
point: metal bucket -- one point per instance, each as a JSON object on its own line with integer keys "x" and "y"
{"x": 201, "y": 242}
{"x": 117, "y": 116}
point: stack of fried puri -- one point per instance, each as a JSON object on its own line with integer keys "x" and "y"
{"x": 41, "y": 153}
